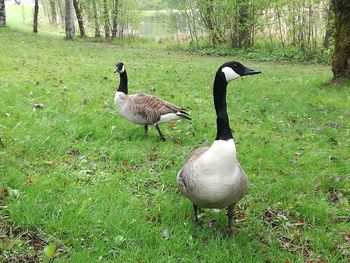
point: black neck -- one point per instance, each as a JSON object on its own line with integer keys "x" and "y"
{"x": 123, "y": 85}
{"x": 222, "y": 123}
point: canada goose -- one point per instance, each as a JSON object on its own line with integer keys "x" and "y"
{"x": 213, "y": 177}
{"x": 142, "y": 108}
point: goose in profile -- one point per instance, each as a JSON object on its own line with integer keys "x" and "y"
{"x": 142, "y": 108}
{"x": 212, "y": 177}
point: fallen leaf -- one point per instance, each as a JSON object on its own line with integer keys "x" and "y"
{"x": 241, "y": 215}
{"x": 333, "y": 198}
{"x": 3, "y": 192}
{"x": 49, "y": 250}
{"x": 29, "y": 180}
{"x": 51, "y": 164}
{"x": 73, "y": 152}
{"x": 171, "y": 125}
{"x": 347, "y": 237}
{"x": 125, "y": 162}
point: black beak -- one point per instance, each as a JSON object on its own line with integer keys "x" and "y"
{"x": 116, "y": 70}
{"x": 248, "y": 71}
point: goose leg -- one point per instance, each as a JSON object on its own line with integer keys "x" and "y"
{"x": 146, "y": 129}
{"x": 195, "y": 208}
{"x": 161, "y": 136}
{"x": 230, "y": 218}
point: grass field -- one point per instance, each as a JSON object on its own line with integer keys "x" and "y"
{"x": 77, "y": 176}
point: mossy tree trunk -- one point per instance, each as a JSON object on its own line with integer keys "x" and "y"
{"x": 341, "y": 55}
{"x": 96, "y": 22}
{"x": 329, "y": 26}
{"x": 2, "y": 13}
{"x": 53, "y": 14}
{"x": 35, "y": 19}
{"x": 79, "y": 14}
{"x": 70, "y": 28}
{"x": 106, "y": 18}
{"x": 115, "y": 19}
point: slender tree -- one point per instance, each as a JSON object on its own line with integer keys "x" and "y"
{"x": 53, "y": 13}
{"x": 329, "y": 26}
{"x": 61, "y": 11}
{"x": 35, "y": 19}
{"x": 106, "y": 18}
{"x": 95, "y": 15}
{"x": 70, "y": 29}
{"x": 78, "y": 12}
{"x": 341, "y": 55}
{"x": 207, "y": 12}
{"x": 244, "y": 28}
{"x": 115, "y": 18}
{"x": 2, "y": 13}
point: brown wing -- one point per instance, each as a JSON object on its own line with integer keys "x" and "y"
{"x": 152, "y": 102}
{"x": 145, "y": 113}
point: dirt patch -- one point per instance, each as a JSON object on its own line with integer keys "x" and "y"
{"x": 20, "y": 245}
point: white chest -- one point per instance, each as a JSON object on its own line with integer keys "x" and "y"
{"x": 217, "y": 177}
{"x": 120, "y": 101}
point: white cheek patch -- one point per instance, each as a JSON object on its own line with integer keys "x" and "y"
{"x": 122, "y": 70}
{"x": 230, "y": 74}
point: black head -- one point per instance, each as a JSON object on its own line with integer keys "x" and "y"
{"x": 233, "y": 70}
{"x": 119, "y": 67}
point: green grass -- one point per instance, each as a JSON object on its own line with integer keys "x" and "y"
{"x": 79, "y": 176}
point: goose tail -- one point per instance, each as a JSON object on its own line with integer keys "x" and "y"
{"x": 183, "y": 114}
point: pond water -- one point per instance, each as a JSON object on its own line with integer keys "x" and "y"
{"x": 155, "y": 26}
{"x": 158, "y": 24}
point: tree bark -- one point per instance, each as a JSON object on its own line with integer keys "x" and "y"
{"x": 341, "y": 55}
{"x": 106, "y": 18}
{"x": 70, "y": 29}
{"x": 79, "y": 17}
{"x": 115, "y": 19}
{"x": 329, "y": 26}
{"x": 2, "y": 13}
{"x": 206, "y": 10}
{"x": 279, "y": 25}
{"x": 244, "y": 28}
{"x": 35, "y": 19}
{"x": 62, "y": 11}
{"x": 97, "y": 25}
{"x": 53, "y": 12}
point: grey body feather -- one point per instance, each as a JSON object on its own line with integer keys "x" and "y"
{"x": 146, "y": 109}
{"x": 192, "y": 181}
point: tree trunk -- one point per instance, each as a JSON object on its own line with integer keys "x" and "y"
{"x": 2, "y": 13}
{"x": 115, "y": 19}
{"x": 70, "y": 29}
{"x": 193, "y": 22}
{"x": 62, "y": 11}
{"x": 79, "y": 17}
{"x": 106, "y": 18}
{"x": 279, "y": 25}
{"x": 97, "y": 25}
{"x": 35, "y": 19}
{"x": 207, "y": 13}
{"x": 341, "y": 55}
{"x": 53, "y": 12}
{"x": 244, "y": 30}
{"x": 329, "y": 26}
